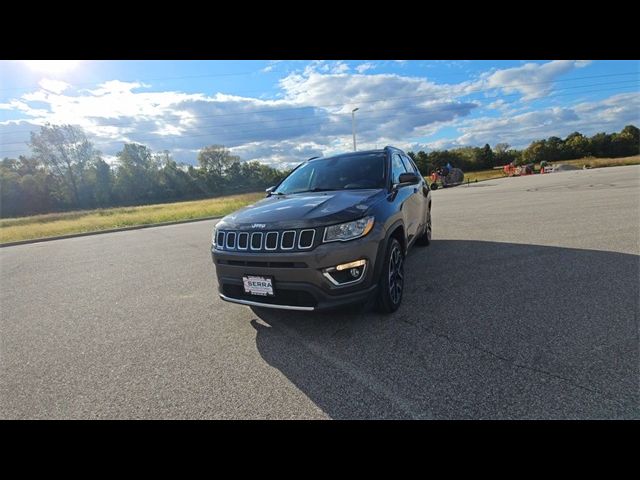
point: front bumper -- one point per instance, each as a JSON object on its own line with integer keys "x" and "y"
{"x": 298, "y": 280}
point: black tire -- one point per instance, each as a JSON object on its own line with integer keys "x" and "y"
{"x": 425, "y": 239}
{"x": 391, "y": 283}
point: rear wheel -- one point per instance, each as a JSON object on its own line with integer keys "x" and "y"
{"x": 391, "y": 284}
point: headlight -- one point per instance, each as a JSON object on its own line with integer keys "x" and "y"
{"x": 349, "y": 230}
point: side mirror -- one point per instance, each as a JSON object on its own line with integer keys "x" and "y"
{"x": 269, "y": 190}
{"x": 408, "y": 179}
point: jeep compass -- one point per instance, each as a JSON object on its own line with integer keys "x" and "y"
{"x": 334, "y": 232}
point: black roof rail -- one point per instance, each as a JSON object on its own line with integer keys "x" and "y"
{"x": 312, "y": 158}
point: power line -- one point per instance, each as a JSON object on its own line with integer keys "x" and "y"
{"x": 232, "y": 74}
{"x": 364, "y": 114}
{"x": 424, "y": 96}
{"x": 245, "y": 132}
{"x": 257, "y": 131}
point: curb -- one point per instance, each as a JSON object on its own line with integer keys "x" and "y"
{"x": 112, "y": 230}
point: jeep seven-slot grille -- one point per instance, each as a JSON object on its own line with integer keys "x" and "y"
{"x": 269, "y": 241}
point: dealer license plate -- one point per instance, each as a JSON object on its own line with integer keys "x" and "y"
{"x": 262, "y": 286}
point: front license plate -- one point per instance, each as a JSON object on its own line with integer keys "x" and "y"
{"x": 262, "y": 286}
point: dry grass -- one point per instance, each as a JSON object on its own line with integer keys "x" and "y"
{"x": 483, "y": 175}
{"x": 602, "y": 162}
{"x": 50, "y": 225}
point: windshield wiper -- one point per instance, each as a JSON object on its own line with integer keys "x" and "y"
{"x": 318, "y": 189}
{"x": 313, "y": 190}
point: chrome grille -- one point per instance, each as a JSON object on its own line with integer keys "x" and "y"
{"x": 269, "y": 241}
{"x": 306, "y": 238}
{"x": 231, "y": 240}
{"x": 288, "y": 240}
{"x": 256, "y": 240}
{"x": 243, "y": 240}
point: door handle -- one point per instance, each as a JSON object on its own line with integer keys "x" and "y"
{"x": 415, "y": 190}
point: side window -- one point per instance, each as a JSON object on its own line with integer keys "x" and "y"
{"x": 397, "y": 168}
{"x": 407, "y": 164}
{"x": 411, "y": 165}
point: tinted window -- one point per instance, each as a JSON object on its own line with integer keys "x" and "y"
{"x": 346, "y": 172}
{"x": 411, "y": 166}
{"x": 397, "y": 168}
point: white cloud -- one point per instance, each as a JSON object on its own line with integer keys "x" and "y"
{"x": 340, "y": 67}
{"x": 363, "y": 67}
{"x": 114, "y": 87}
{"x": 499, "y": 104}
{"x": 54, "y": 86}
{"x": 270, "y": 67}
{"x": 532, "y": 80}
{"x": 610, "y": 114}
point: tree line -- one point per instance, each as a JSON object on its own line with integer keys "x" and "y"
{"x": 576, "y": 145}
{"x": 65, "y": 172}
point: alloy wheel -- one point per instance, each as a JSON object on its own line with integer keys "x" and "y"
{"x": 396, "y": 274}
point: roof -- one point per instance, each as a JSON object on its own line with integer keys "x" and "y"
{"x": 351, "y": 154}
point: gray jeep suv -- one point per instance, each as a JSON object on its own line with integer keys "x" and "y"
{"x": 334, "y": 232}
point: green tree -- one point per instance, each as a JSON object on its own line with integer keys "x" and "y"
{"x": 554, "y": 149}
{"x": 103, "y": 183}
{"x": 136, "y": 171}
{"x": 64, "y": 151}
{"x": 485, "y": 157}
{"x": 625, "y": 143}
{"x": 536, "y": 152}
{"x": 600, "y": 144}
{"x": 577, "y": 145}
{"x": 216, "y": 159}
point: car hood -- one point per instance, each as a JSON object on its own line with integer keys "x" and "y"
{"x": 304, "y": 210}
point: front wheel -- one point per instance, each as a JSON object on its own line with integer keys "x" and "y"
{"x": 391, "y": 284}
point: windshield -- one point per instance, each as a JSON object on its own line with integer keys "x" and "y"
{"x": 346, "y": 172}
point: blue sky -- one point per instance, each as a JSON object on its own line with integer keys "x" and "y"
{"x": 282, "y": 112}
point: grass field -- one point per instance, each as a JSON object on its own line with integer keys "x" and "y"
{"x": 54, "y": 224}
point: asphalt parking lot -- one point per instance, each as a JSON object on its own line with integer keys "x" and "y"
{"x": 526, "y": 305}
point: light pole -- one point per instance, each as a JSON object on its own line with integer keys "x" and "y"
{"x": 353, "y": 126}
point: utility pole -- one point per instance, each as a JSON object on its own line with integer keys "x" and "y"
{"x": 353, "y": 126}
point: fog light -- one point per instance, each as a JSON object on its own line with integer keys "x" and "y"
{"x": 345, "y": 266}
{"x": 346, "y": 273}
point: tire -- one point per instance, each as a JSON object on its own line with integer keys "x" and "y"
{"x": 425, "y": 239}
{"x": 391, "y": 283}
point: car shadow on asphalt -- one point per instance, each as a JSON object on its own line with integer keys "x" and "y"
{"x": 486, "y": 330}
